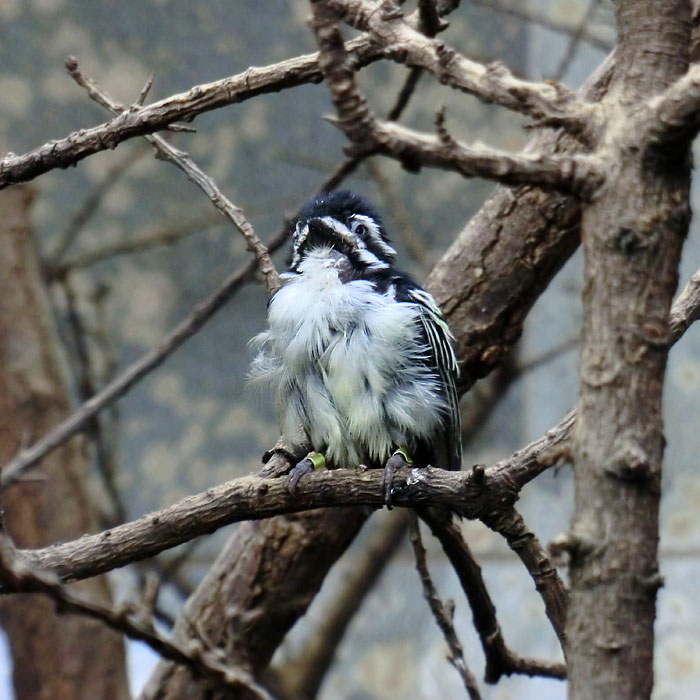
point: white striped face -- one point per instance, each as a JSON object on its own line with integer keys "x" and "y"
{"x": 361, "y": 242}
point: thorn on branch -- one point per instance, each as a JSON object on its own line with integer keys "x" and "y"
{"x": 478, "y": 474}
{"x": 630, "y": 463}
{"x": 390, "y": 10}
{"x": 442, "y": 133}
{"x": 569, "y": 547}
{"x": 429, "y": 19}
{"x": 145, "y": 90}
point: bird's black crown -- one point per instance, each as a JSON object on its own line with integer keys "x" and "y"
{"x": 341, "y": 205}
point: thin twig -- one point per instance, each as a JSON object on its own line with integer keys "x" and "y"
{"x": 164, "y": 236}
{"x": 183, "y": 161}
{"x": 120, "y": 385}
{"x": 443, "y": 614}
{"x": 500, "y": 660}
{"x": 524, "y": 12}
{"x": 18, "y": 577}
{"x": 90, "y": 205}
{"x": 87, "y": 387}
{"x": 575, "y": 40}
{"x": 415, "y": 245}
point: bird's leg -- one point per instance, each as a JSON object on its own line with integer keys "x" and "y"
{"x": 312, "y": 461}
{"x": 399, "y": 459}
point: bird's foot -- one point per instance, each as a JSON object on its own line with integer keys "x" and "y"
{"x": 399, "y": 459}
{"x": 312, "y": 461}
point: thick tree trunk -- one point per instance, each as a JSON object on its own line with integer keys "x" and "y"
{"x": 55, "y": 657}
{"x": 632, "y": 236}
{"x": 260, "y": 584}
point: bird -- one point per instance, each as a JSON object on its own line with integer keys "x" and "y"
{"x": 357, "y": 356}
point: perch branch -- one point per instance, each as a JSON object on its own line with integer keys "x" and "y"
{"x": 470, "y": 492}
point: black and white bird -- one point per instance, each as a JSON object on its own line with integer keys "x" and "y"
{"x": 357, "y": 355}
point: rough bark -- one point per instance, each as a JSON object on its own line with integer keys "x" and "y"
{"x": 54, "y": 656}
{"x": 504, "y": 258}
{"x": 632, "y": 234}
{"x": 261, "y": 583}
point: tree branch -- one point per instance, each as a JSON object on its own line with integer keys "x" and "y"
{"x": 576, "y": 173}
{"x": 182, "y": 160}
{"x": 120, "y": 385}
{"x": 673, "y": 114}
{"x": 17, "y": 577}
{"x": 500, "y": 660}
{"x": 443, "y": 614}
{"x": 185, "y": 106}
{"x": 554, "y": 103}
{"x": 685, "y": 310}
{"x": 471, "y": 493}
{"x": 509, "y": 523}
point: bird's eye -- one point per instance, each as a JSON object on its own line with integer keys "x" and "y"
{"x": 360, "y": 229}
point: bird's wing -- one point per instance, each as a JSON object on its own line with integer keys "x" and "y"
{"x": 440, "y": 340}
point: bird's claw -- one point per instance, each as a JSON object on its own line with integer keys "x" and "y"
{"x": 313, "y": 461}
{"x": 396, "y": 461}
{"x": 298, "y": 470}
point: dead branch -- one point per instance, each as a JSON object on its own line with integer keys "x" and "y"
{"x": 185, "y": 106}
{"x": 18, "y": 577}
{"x": 576, "y": 173}
{"x": 121, "y": 384}
{"x": 493, "y": 83}
{"x": 182, "y": 160}
{"x": 443, "y": 614}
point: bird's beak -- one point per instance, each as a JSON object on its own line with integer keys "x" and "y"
{"x": 329, "y": 232}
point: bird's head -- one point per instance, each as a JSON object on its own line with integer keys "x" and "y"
{"x": 345, "y": 225}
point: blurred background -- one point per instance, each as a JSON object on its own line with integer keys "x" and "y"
{"x": 139, "y": 246}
